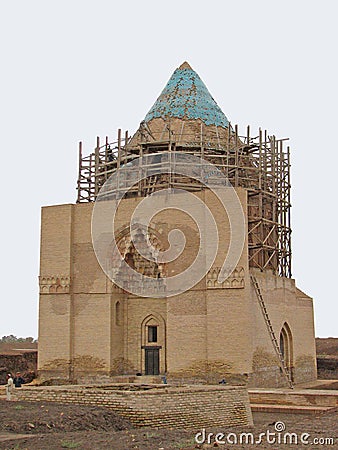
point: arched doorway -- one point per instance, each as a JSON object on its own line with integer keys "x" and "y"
{"x": 153, "y": 345}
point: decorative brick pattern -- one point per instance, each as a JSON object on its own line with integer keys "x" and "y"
{"x": 234, "y": 281}
{"x": 59, "y": 284}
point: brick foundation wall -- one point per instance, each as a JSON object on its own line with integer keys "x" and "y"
{"x": 165, "y": 407}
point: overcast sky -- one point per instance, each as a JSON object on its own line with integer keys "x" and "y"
{"x": 72, "y": 70}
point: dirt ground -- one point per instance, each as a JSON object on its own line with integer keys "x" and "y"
{"x": 51, "y": 426}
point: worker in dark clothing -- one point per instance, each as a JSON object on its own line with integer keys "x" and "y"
{"x": 18, "y": 380}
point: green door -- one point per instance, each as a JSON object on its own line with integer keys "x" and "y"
{"x": 152, "y": 361}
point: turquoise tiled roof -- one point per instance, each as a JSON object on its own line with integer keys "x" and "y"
{"x": 186, "y": 96}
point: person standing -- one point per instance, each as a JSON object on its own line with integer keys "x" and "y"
{"x": 18, "y": 380}
{"x": 9, "y": 386}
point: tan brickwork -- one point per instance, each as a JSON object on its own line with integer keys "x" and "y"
{"x": 284, "y": 305}
{"x": 205, "y": 334}
{"x": 185, "y": 407}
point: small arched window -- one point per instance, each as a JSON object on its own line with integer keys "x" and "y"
{"x": 118, "y": 314}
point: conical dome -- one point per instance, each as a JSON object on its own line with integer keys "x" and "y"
{"x": 186, "y": 97}
{"x": 185, "y": 112}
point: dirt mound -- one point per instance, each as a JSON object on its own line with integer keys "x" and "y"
{"x": 17, "y": 347}
{"x": 327, "y": 347}
{"x": 327, "y": 358}
{"x": 34, "y": 417}
{"x": 327, "y": 368}
{"x": 25, "y": 363}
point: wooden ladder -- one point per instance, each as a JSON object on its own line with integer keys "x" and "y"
{"x": 152, "y": 181}
{"x": 284, "y": 368}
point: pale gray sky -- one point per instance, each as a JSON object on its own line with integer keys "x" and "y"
{"x": 71, "y": 70}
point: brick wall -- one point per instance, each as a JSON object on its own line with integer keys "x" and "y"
{"x": 204, "y": 334}
{"x": 168, "y": 407}
{"x": 285, "y": 304}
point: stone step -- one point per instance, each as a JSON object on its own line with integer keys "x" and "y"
{"x": 290, "y": 409}
{"x": 294, "y": 397}
{"x": 148, "y": 379}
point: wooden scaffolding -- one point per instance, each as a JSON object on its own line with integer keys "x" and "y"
{"x": 260, "y": 164}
